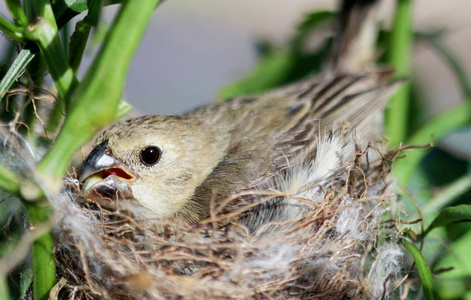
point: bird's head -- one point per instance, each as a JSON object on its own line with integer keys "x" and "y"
{"x": 150, "y": 166}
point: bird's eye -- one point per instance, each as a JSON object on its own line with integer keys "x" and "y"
{"x": 150, "y": 155}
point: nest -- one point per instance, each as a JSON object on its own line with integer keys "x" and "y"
{"x": 333, "y": 244}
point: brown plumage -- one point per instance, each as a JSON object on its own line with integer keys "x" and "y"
{"x": 226, "y": 147}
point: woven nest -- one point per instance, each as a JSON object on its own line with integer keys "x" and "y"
{"x": 333, "y": 243}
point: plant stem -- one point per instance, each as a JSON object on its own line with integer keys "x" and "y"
{"x": 49, "y": 42}
{"x": 11, "y": 30}
{"x": 14, "y": 6}
{"x": 44, "y": 265}
{"x": 46, "y": 34}
{"x": 400, "y": 58}
{"x": 4, "y": 291}
{"x": 79, "y": 38}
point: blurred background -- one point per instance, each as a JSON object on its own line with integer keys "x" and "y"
{"x": 193, "y": 48}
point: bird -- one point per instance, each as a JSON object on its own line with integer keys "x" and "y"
{"x": 177, "y": 166}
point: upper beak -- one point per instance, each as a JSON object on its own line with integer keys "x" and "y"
{"x": 101, "y": 164}
{"x": 98, "y": 160}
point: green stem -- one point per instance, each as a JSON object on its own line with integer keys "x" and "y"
{"x": 436, "y": 128}
{"x": 448, "y": 194}
{"x": 14, "y": 6}
{"x": 46, "y": 35}
{"x": 44, "y": 266}
{"x": 79, "y": 38}
{"x": 44, "y": 31}
{"x": 11, "y": 30}
{"x": 77, "y": 44}
{"x": 4, "y": 290}
{"x": 400, "y": 58}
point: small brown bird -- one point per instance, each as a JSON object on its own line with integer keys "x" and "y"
{"x": 173, "y": 166}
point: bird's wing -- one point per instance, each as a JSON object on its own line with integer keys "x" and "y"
{"x": 323, "y": 107}
{"x": 281, "y": 127}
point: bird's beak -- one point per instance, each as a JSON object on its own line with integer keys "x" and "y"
{"x": 100, "y": 171}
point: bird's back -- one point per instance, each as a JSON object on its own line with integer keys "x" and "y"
{"x": 269, "y": 132}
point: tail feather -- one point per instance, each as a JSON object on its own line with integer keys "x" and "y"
{"x": 353, "y": 49}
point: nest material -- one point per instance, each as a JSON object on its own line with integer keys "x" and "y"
{"x": 332, "y": 247}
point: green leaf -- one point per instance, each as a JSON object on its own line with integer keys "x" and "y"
{"x": 15, "y": 71}
{"x": 430, "y": 291}
{"x": 449, "y": 215}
